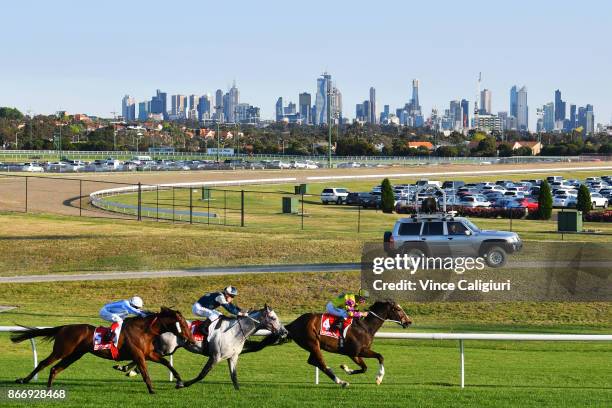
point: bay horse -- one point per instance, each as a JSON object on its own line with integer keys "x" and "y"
{"x": 73, "y": 341}
{"x": 305, "y": 331}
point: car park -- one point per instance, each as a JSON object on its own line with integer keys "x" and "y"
{"x": 474, "y": 201}
{"x": 599, "y": 200}
{"x": 334, "y": 195}
{"x": 564, "y": 201}
{"x": 362, "y": 199}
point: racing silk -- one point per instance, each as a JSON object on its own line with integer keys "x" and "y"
{"x": 215, "y": 299}
{"x": 347, "y": 302}
{"x": 122, "y": 308}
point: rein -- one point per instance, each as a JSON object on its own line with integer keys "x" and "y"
{"x": 384, "y": 320}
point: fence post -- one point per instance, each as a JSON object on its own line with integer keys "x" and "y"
{"x": 302, "y": 209}
{"x": 172, "y": 203}
{"x": 224, "y": 207}
{"x": 510, "y": 209}
{"x": 190, "y": 205}
{"x": 80, "y": 198}
{"x": 208, "y": 210}
{"x": 242, "y": 208}
{"x": 35, "y": 356}
{"x": 26, "y": 194}
{"x": 139, "y": 201}
{"x": 358, "y": 218}
{"x": 462, "y": 361}
{"x": 157, "y": 206}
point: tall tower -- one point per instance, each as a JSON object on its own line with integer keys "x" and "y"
{"x": 485, "y": 102}
{"x": 415, "y": 95}
{"x": 372, "y": 112}
{"x": 323, "y": 88}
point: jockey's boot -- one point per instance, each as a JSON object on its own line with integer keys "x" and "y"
{"x": 204, "y": 327}
{"x": 338, "y": 324}
{"x": 110, "y": 335}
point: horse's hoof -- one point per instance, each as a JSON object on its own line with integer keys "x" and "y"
{"x": 179, "y": 384}
{"x": 378, "y": 380}
{"x": 344, "y": 384}
{"x": 20, "y": 381}
{"x": 118, "y": 367}
{"x": 131, "y": 373}
{"x": 346, "y": 369}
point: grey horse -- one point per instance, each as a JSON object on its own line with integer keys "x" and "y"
{"x": 225, "y": 342}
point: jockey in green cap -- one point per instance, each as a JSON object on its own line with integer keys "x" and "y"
{"x": 347, "y": 305}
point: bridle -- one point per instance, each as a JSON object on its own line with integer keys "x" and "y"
{"x": 384, "y": 320}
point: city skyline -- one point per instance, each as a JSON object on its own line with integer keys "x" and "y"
{"x": 88, "y": 74}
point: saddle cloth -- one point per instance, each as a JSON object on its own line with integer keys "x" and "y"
{"x": 100, "y": 341}
{"x": 328, "y": 320}
{"x": 197, "y": 330}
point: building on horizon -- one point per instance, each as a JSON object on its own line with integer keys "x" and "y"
{"x": 305, "y": 101}
{"x": 522, "y": 114}
{"x": 323, "y": 88}
{"x": 372, "y": 112}
{"x": 559, "y": 107}
{"x": 485, "y": 102}
{"x": 514, "y": 101}
{"x": 159, "y": 104}
{"x": 128, "y": 108}
{"x": 143, "y": 110}
{"x": 465, "y": 114}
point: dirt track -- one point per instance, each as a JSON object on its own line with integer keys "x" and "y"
{"x": 52, "y": 194}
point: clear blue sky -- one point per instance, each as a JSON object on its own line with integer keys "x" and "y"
{"x": 84, "y": 58}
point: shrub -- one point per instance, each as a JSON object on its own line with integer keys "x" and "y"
{"x": 387, "y": 197}
{"x": 583, "y": 202}
{"x": 599, "y": 216}
{"x": 545, "y": 201}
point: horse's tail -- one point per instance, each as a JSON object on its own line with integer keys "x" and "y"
{"x": 31, "y": 332}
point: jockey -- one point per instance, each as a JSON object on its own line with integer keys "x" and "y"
{"x": 115, "y": 312}
{"x": 347, "y": 305}
{"x": 206, "y": 305}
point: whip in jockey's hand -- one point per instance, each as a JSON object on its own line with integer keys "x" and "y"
{"x": 347, "y": 305}
{"x": 115, "y": 312}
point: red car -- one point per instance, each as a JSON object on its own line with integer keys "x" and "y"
{"x": 529, "y": 203}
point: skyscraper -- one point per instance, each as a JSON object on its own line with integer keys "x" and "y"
{"x": 178, "y": 106}
{"x": 514, "y": 101}
{"x": 589, "y": 120}
{"x": 549, "y": 117}
{"x": 485, "y": 102}
{"x": 323, "y": 87}
{"x": 143, "y": 110}
{"x": 128, "y": 108}
{"x": 204, "y": 107}
{"x": 572, "y": 124}
{"x": 234, "y": 100}
{"x": 465, "y": 114}
{"x": 279, "y": 109}
{"x": 415, "y": 95}
{"x": 372, "y": 113}
{"x": 559, "y": 107}
{"x": 522, "y": 115}
{"x": 219, "y": 105}
{"x": 159, "y": 105}
{"x": 305, "y": 101}
{"x": 455, "y": 114}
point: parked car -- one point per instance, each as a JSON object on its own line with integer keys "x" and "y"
{"x": 599, "y": 200}
{"x": 564, "y": 201}
{"x": 441, "y": 235}
{"x": 334, "y": 195}
{"x": 362, "y": 199}
{"x": 474, "y": 201}
{"x": 32, "y": 168}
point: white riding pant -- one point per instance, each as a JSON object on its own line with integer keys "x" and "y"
{"x": 201, "y": 311}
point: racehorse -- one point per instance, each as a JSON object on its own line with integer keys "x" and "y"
{"x": 226, "y": 341}
{"x": 305, "y": 332}
{"x": 73, "y": 341}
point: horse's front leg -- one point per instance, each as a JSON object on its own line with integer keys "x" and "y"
{"x": 158, "y": 358}
{"x": 232, "y": 362}
{"x": 139, "y": 359}
{"x": 381, "y": 368}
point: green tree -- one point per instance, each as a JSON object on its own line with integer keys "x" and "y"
{"x": 544, "y": 201}
{"x": 505, "y": 150}
{"x": 10, "y": 113}
{"x": 583, "y": 202}
{"x": 387, "y": 197}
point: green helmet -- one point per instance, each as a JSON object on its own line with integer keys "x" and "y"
{"x": 363, "y": 293}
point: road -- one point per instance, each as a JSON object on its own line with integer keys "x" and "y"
{"x": 212, "y": 271}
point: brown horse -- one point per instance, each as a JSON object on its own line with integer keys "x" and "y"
{"x": 73, "y": 341}
{"x": 305, "y": 332}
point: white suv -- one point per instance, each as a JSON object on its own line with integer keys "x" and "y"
{"x": 334, "y": 195}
